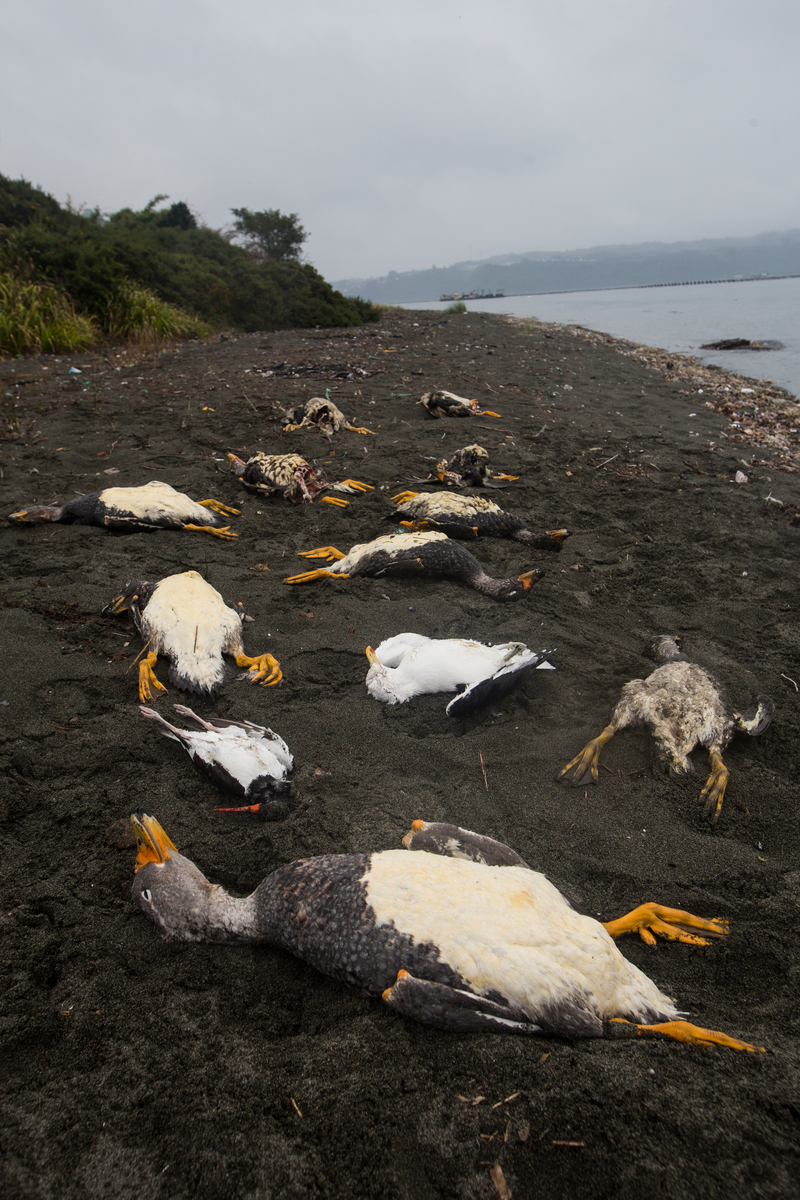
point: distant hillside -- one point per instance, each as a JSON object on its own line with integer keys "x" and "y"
{"x": 646, "y": 264}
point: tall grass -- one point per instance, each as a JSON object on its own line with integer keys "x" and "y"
{"x": 137, "y": 314}
{"x": 39, "y": 319}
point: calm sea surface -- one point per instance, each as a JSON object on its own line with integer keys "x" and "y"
{"x": 681, "y": 319}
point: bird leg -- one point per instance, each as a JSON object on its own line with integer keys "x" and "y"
{"x": 321, "y": 552}
{"x": 334, "y": 500}
{"x": 225, "y": 532}
{"x": 253, "y": 808}
{"x": 311, "y": 576}
{"x": 358, "y": 429}
{"x": 583, "y": 768}
{"x": 714, "y": 791}
{"x": 352, "y": 485}
{"x": 672, "y": 923}
{"x": 403, "y": 497}
{"x": 682, "y": 1031}
{"x": 217, "y": 507}
{"x": 149, "y": 685}
{"x": 263, "y": 668}
{"x": 511, "y": 478}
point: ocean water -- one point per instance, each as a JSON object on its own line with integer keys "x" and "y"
{"x": 680, "y": 319}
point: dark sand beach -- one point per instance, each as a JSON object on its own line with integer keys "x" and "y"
{"x": 135, "y": 1068}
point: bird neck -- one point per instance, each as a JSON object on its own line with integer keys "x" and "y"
{"x": 233, "y": 919}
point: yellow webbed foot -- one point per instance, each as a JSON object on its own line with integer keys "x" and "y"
{"x": 352, "y": 485}
{"x": 415, "y": 525}
{"x": 321, "y": 552}
{"x": 485, "y": 412}
{"x": 263, "y": 668}
{"x": 334, "y": 500}
{"x": 684, "y": 1031}
{"x": 583, "y": 768}
{"x": 357, "y": 429}
{"x": 511, "y": 478}
{"x": 217, "y": 507}
{"x": 403, "y": 497}
{"x": 149, "y": 685}
{"x": 224, "y": 532}
{"x": 291, "y": 428}
{"x": 672, "y": 923}
{"x": 311, "y": 576}
{"x": 714, "y": 791}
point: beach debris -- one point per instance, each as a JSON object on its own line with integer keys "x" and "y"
{"x": 499, "y": 1181}
{"x": 740, "y": 477}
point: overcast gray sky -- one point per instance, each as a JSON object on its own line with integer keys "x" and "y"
{"x": 415, "y": 132}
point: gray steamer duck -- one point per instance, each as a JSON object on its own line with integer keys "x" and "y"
{"x": 426, "y": 554}
{"x": 463, "y": 936}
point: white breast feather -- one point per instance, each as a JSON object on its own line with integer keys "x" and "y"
{"x": 391, "y": 542}
{"x": 189, "y": 621}
{"x": 153, "y": 500}
{"x": 437, "y": 665}
{"x": 242, "y": 757}
{"x": 508, "y": 929}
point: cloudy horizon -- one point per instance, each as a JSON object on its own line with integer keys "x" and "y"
{"x": 417, "y": 135}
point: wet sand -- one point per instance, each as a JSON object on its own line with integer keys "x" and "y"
{"x": 132, "y": 1067}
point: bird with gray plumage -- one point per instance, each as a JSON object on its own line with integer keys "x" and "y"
{"x": 153, "y": 505}
{"x": 683, "y": 706}
{"x": 464, "y": 936}
{"x": 469, "y": 517}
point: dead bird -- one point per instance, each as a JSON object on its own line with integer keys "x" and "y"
{"x": 153, "y": 505}
{"x": 185, "y": 618}
{"x": 683, "y": 706}
{"x": 462, "y": 936}
{"x": 323, "y": 413}
{"x": 291, "y": 475}
{"x": 469, "y": 517}
{"x": 432, "y": 554}
{"x": 248, "y": 760}
{"x": 447, "y": 404}
{"x": 467, "y": 467}
{"x": 410, "y": 664}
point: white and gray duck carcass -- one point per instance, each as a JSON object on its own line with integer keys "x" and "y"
{"x": 248, "y": 760}
{"x": 411, "y": 664}
{"x": 187, "y": 619}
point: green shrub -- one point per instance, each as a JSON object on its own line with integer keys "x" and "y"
{"x": 458, "y": 307}
{"x": 134, "y": 313}
{"x": 37, "y": 319}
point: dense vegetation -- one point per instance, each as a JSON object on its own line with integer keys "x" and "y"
{"x": 153, "y": 274}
